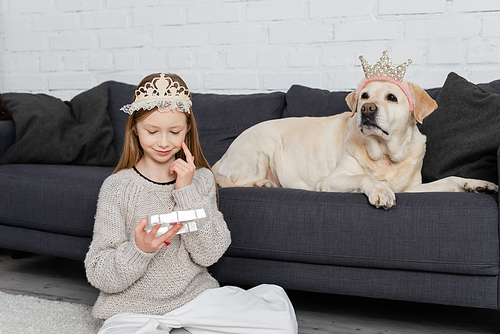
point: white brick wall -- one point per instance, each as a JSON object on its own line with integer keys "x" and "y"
{"x": 62, "y": 47}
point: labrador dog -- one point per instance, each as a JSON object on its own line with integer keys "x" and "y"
{"x": 375, "y": 149}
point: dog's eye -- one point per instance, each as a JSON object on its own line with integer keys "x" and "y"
{"x": 364, "y": 96}
{"x": 392, "y": 98}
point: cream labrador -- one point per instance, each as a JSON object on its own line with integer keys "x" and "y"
{"x": 375, "y": 149}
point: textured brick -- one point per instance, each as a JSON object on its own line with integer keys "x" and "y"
{"x": 205, "y": 60}
{"x": 442, "y": 53}
{"x": 26, "y": 63}
{"x": 241, "y": 59}
{"x": 120, "y": 40}
{"x": 151, "y": 16}
{"x": 56, "y": 22}
{"x": 213, "y": 13}
{"x": 49, "y": 62}
{"x": 365, "y": 31}
{"x": 73, "y": 42}
{"x": 77, "y": 5}
{"x": 184, "y": 37}
{"x": 490, "y": 27}
{"x": 300, "y": 34}
{"x": 69, "y": 81}
{"x": 448, "y": 28}
{"x": 25, "y": 42}
{"x": 239, "y": 35}
{"x": 100, "y": 61}
{"x": 153, "y": 62}
{"x": 476, "y": 5}
{"x": 125, "y": 61}
{"x": 104, "y": 20}
{"x": 397, "y": 7}
{"x": 236, "y": 80}
{"x": 329, "y": 8}
{"x": 181, "y": 60}
{"x": 18, "y": 24}
{"x": 29, "y": 6}
{"x": 334, "y": 56}
{"x": 483, "y": 52}
{"x": 272, "y": 58}
{"x": 75, "y": 62}
{"x": 282, "y": 81}
{"x": 6, "y": 65}
{"x": 131, "y": 3}
{"x": 344, "y": 79}
{"x": 304, "y": 58}
{"x": 271, "y": 11}
{"x": 24, "y": 83}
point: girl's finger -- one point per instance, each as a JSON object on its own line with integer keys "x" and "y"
{"x": 189, "y": 156}
{"x": 139, "y": 228}
{"x": 170, "y": 234}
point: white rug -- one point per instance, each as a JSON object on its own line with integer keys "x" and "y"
{"x": 26, "y": 314}
{"x": 29, "y": 315}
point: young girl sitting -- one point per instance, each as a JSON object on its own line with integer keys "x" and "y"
{"x": 153, "y": 282}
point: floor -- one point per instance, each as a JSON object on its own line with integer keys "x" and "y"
{"x": 62, "y": 279}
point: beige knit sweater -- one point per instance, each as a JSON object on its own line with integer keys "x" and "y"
{"x": 133, "y": 281}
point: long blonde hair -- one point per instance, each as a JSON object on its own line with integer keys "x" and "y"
{"x": 132, "y": 150}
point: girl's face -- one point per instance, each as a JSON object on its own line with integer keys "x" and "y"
{"x": 161, "y": 135}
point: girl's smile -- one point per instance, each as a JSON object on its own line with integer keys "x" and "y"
{"x": 163, "y": 153}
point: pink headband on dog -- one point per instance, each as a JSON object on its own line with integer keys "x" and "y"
{"x": 401, "y": 84}
{"x": 384, "y": 70}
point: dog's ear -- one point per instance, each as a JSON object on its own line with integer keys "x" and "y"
{"x": 424, "y": 104}
{"x": 352, "y": 102}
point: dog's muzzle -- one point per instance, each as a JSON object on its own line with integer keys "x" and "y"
{"x": 369, "y": 117}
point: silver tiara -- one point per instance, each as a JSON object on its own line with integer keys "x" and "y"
{"x": 163, "y": 93}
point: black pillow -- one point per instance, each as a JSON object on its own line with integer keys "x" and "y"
{"x": 304, "y": 101}
{"x": 221, "y": 118}
{"x": 50, "y": 131}
{"x": 120, "y": 94}
{"x": 463, "y": 133}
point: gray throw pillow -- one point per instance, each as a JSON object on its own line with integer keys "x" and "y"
{"x": 50, "y": 131}
{"x": 463, "y": 133}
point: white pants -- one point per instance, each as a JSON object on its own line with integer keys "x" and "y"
{"x": 264, "y": 309}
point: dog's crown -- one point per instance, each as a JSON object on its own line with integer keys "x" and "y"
{"x": 162, "y": 92}
{"x": 385, "y": 67}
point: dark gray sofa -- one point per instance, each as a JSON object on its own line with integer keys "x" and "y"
{"x": 432, "y": 247}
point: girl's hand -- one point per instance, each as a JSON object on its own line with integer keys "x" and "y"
{"x": 147, "y": 242}
{"x": 183, "y": 169}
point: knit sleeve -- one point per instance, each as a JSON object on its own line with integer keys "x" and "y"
{"x": 113, "y": 261}
{"x": 206, "y": 245}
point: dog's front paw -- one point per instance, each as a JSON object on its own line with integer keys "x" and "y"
{"x": 382, "y": 197}
{"x": 265, "y": 184}
{"x": 479, "y": 186}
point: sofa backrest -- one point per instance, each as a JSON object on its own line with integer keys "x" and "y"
{"x": 221, "y": 118}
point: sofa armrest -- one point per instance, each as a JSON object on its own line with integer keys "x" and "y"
{"x": 7, "y": 135}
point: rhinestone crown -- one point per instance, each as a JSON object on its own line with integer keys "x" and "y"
{"x": 385, "y": 67}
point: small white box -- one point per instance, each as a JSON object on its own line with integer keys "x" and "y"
{"x": 188, "y": 218}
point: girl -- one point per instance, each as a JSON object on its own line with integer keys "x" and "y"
{"x": 150, "y": 283}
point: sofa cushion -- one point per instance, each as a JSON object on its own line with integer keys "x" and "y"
{"x": 462, "y": 134}
{"x": 221, "y": 118}
{"x": 51, "y": 198}
{"x": 119, "y": 94}
{"x": 438, "y": 232}
{"x": 50, "y": 131}
{"x": 305, "y": 101}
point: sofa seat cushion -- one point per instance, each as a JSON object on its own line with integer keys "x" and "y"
{"x": 51, "y": 198}
{"x": 437, "y": 232}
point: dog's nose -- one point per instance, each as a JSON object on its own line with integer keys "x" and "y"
{"x": 368, "y": 108}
